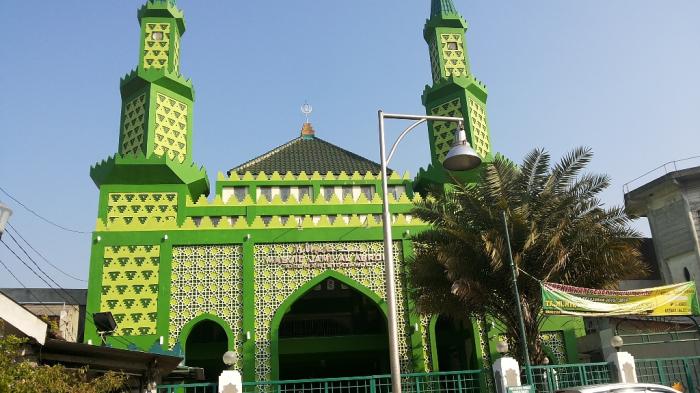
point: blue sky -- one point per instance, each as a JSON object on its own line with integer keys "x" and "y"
{"x": 620, "y": 76}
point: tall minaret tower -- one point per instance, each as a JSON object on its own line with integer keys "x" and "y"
{"x": 156, "y": 116}
{"x": 454, "y": 92}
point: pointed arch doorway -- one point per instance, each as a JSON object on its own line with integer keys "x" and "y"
{"x": 334, "y": 327}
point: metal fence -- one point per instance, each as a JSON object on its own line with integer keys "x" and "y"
{"x": 668, "y": 371}
{"x": 470, "y": 381}
{"x": 554, "y": 377}
{"x": 547, "y": 379}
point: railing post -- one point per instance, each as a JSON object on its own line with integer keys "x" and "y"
{"x": 325, "y": 387}
{"x": 662, "y": 373}
{"x": 372, "y": 385}
{"x": 688, "y": 377}
{"x": 584, "y": 377}
{"x": 459, "y": 382}
{"x": 417, "y": 383}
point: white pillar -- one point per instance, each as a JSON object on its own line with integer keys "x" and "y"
{"x": 506, "y": 373}
{"x": 624, "y": 366}
{"x": 230, "y": 382}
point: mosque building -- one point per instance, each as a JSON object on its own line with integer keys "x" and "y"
{"x": 284, "y": 265}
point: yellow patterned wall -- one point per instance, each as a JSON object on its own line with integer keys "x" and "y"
{"x": 156, "y": 49}
{"x": 130, "y": 288}
{"x": 125, "y": 208}
{"x": 176, "y": 53}
{"x": 444, "y": 131}
{"x": 133, "y": 126}
{"x": 455, "y": 58}
{"x": 480, "y": 133}
{"x": 171, "y": 128}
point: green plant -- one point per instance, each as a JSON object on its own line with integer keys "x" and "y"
{"x": 18, "y": 375}
{"x": 560, "y": 232}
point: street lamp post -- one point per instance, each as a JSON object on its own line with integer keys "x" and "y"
{"x": 523, "y": 337}
{"x": 5, "y": 213}
{"x": 460, "y": 157}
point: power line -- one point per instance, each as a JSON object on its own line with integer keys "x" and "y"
{"x": 40, "y": 216}
{"x": 24, "y": 286}
{"x": 88, "y": 318}
{"x": 38, "y": 267}
{"x": 42, "y": 256}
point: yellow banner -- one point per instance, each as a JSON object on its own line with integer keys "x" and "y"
{"x": 668, "y": 300}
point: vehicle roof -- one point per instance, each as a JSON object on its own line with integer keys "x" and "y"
{"x": 614, "y": 386}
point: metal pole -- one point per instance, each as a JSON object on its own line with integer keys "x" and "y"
{"x": 389, "y": 268}
{"x": 523, "y": 337}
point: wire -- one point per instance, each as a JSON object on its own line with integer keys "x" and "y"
{"x": 40, "y": 216}
{"x": 24, "y": 286}
{"x": 531, "y": 276}
{"x": 42, "y": 256}
{"x": 88, "y": 318}
{"x": 38, "y": 267}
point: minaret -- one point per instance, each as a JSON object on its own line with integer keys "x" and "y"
{"x": 156, "y": 113}
{"x": 454, "y": 92}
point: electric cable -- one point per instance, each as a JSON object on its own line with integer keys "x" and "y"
{"x": 24, "y": 286}
{"x": 42, "y": 256}
{"x": 40, "y": 216}
{"x": 88, "y": 318}
{"x": 39, "y": 267}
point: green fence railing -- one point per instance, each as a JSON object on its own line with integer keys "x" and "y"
{"x": 469, "y": 381}
{"x": 668, "y": 371}
{"x": 189, "y": 388}
{"x": 554, "y": 377}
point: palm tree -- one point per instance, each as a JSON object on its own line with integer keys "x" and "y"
{"x": 560, "y": 232}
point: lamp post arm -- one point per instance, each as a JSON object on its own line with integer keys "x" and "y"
{"x": 403, "y": 134}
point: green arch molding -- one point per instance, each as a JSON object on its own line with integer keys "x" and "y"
{"x": 187, "y": 329}
{"x": 301, "y": 291}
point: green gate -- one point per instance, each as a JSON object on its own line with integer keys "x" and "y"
{"x": 552, "y": 378}
{"x": 668, "y": 371}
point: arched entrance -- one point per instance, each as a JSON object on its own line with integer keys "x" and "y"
{"x": 332, "y": 330}
{"x": 205, "y": 345}
{"x": 454, "y": 344}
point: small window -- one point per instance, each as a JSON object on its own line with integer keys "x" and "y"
{"x": 686, "y": 274}
{"x": 266, "y": 192}
{"x": 452, "y": 45}
{"x": 157, "y": 36}
{"x": 239, "y": 193}
{"x": 266, "y": 220}
{"x": 367, "y": 191}
{"x": 328, "y": 193}
{"x": 347, "y": 190}
{"x": 284, "y": 193}
{"x": 303, "y": 191}
{"x": 397, "y": 191}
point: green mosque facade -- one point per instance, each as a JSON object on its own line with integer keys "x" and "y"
{"x": 284, "y": 265}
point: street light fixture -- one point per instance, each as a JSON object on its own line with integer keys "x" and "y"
{"x": 502, "y": 347}
{"x": 230, "y": 358}
{"x": 461, "y": 157}
{"x": 616, "y": 342}
{"x": 5, "y": 213}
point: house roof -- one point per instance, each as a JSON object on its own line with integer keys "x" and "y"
{"x": 308, "y": 154}
{"x": 47, "y": 295}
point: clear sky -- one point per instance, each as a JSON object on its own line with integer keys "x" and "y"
{"x": 620, "y": 76}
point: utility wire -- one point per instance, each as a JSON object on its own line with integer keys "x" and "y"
{"x": 42, "y": 256}
{"x": 40, "y": 216}
{"x": 39, "y": 267}
{"x": 88, "y": 318}
{"x": 24, "y": 286}
{"x": 531, "y": 276}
